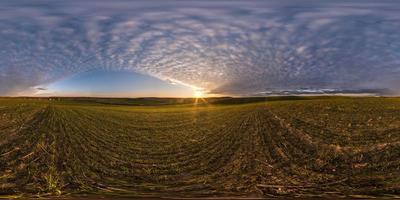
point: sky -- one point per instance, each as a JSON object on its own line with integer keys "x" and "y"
{"x": 174, "y": 48}
{"x": 101, "y": 83}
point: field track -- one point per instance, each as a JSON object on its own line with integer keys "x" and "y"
{"x": 340, "y": 147}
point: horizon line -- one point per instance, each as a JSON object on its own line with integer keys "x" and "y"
{"x": 155, "y": 97}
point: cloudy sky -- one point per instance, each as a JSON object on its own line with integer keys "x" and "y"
{"x": 175, "y": 47}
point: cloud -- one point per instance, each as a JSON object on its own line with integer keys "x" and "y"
{"x": 332, "y": 91}
{"x": 240, "y": 47}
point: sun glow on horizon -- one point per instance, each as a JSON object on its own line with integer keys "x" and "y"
{"x": 198, "y": 94}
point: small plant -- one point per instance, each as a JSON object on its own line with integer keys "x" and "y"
{"x": 52, "y": 182}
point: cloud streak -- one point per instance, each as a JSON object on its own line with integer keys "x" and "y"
{"x": 239, "y": 48}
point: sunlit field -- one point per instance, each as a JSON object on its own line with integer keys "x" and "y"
{"x": 277, "y": 147}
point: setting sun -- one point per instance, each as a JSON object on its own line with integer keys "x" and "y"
{"x": 198, "y": 94}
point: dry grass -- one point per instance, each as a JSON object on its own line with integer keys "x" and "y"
{"x": 322, "y": 147}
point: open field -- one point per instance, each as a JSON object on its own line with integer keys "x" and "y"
{"x": 336, "y": 147}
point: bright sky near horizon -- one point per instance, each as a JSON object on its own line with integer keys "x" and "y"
{"x": 178, "y": 48}
{"x": 106, "y": 83}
